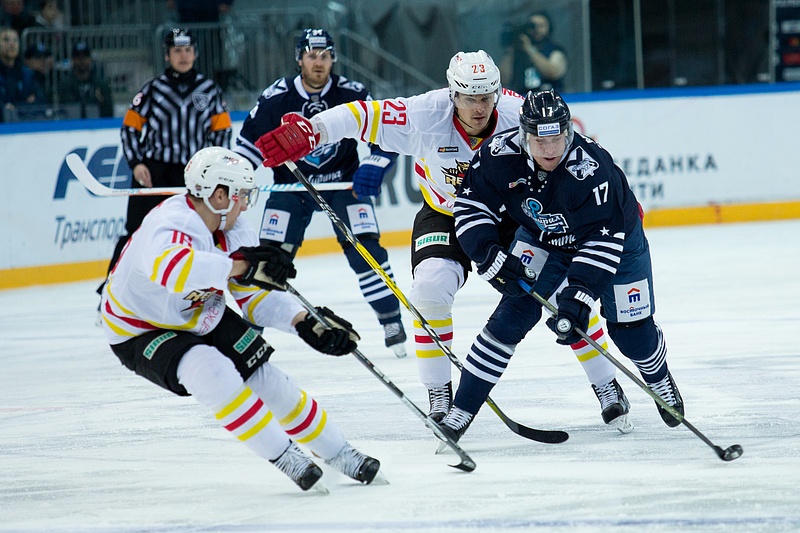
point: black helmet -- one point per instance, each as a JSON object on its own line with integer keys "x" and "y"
{"x": 313, "y": 38}
{"x": 545, "y": 113}
{"x": 178, "y": 37}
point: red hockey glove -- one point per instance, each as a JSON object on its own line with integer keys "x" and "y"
{"x": 290, "y": 141}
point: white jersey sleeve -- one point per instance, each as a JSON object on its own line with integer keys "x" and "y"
{"x": 422, "y": 126}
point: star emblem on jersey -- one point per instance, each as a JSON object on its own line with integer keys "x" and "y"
{"x": 604, "y": 232}
{"x": 467, "y": 191}
{"x": 580, "y": 164}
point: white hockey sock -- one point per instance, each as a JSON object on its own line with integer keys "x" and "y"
{"x": 213, "y": 381}
{"x": 298, "y": 413}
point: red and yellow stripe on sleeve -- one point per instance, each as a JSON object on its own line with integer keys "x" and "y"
{"x": 368, "y": 117}
{"x": 171, "y": 268}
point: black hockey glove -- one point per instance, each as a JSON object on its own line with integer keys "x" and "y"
{"x": 502, "y": 270}
{"x": 575, "y": 304}
{"x": 340, "y": 339}
{"x": 269, "y": 268}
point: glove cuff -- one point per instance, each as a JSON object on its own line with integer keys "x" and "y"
{"x": 491, "y": 269}
{"x": 580, "y": 294}
{"x": 376, "y": 160}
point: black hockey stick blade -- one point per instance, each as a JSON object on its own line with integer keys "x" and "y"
{"x": 545, "y": 436}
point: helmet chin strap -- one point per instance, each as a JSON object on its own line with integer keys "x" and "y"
{"x": 223, "y": 218}
{"x": 223, "y": 213}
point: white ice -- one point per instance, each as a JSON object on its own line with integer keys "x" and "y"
{"x": 86, "y": 445}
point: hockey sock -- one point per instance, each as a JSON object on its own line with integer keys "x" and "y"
{"x": 298, "y": 414}
{"x": 643, "y": 343}
{"x": 213, "y": 381}
{"x": 377, "y": 294}
{"x": 598, "y": 369}
{"x": 433, "y": 290}
{"x": 486, "y": 361}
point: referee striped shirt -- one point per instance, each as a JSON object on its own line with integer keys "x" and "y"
{"x": 173, "y": 116}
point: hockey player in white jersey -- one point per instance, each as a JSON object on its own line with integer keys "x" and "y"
{"x": 166, "y": 319}
{"x": 442, "y": 129}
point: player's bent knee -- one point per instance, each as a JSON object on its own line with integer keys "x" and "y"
{"x": 208, "y": 375}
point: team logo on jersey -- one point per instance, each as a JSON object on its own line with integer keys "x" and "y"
{"x": 552, "y": 223}
{"x": 314, "y": 106}
{"x": 322, "y": 155}
{"x": 200, "y": 100}
{"x": 447, "y": 149}
{"x": 454, "y": 176}
{"x": 502, "y": 144}
{"x": 198, "y": 298}
{"x": 580, "y": 164}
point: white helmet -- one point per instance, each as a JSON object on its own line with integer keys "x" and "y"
{"x": 215, "y": 166}
{"x": 473, "y": 73}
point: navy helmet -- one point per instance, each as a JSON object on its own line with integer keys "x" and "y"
{"x": 314, "y": 38}
{"x": 544, "y": 113}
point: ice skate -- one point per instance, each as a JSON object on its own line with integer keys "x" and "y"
{"x": 302, "y": 470}
{"x": 614, "y": 406}
{"x": 668, "y": 392}
{"x": 454, "y": 425}
{"x": 395, "y": 338}
{"x": 359, "y": 466}
{"x": 440, "y": 399}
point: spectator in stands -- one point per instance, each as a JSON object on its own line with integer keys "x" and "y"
{"x": 50, "y": 15}
{"x": 84, "y": 85}
{"x": 17, "y": 83}
{"x": 39, "y": 59}
{"x": 16, "y": 16}
{"x": 532, "y": 62}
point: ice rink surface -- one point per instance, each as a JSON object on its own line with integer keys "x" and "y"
{"x": 87, "y": 446}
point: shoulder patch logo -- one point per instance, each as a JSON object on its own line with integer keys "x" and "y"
{"x": 580, "y": 164}
{"x": 504, "y": 144}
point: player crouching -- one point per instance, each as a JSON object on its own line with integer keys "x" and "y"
{"x": 166, "y": 319}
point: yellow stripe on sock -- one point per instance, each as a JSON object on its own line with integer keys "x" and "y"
{"x": 429, "y": 354}
{"x": 258, "y": 427}
{"x": 317, "y": 431}
{"x": 296, "y": 411}
{"x": 232, "y": 406}
{"x": 446, "y": 323}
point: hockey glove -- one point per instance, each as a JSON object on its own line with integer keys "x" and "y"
{"x": 502, "y": 270}
{"x": 290, "y": 141}
{"x": 369, "y": 176}
{"x": 340, "y": 339}
{"x": 269, "y": 268}
{"x": 574, "y": 307}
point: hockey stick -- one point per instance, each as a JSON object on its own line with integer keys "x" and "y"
{"x": 728, "y": 454}
{"x": 79, "y": 169}
{"x": 538, "y": 435}
{"x": 466, "y": 464}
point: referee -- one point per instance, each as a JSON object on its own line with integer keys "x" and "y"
{"x": 170, "y": 118}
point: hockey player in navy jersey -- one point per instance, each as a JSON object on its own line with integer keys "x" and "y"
{"x": 287, "y": 215}
{"x": 442, "y": 129}
{"x": 580, "y": 228}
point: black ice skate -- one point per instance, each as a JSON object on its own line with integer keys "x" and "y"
{"x": 302, "y": 470}
{"x": 668, "y": 392}
{"x": 455, "y": 424}
{"x": 614, "y": 406}
{"x": 440, "y": 399}
{"x": 356, "y": 465}
{"x": 394, "y": 336}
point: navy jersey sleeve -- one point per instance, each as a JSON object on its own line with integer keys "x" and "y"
{"x": 264, "y": 117}
{"x": 477, "y": 209}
